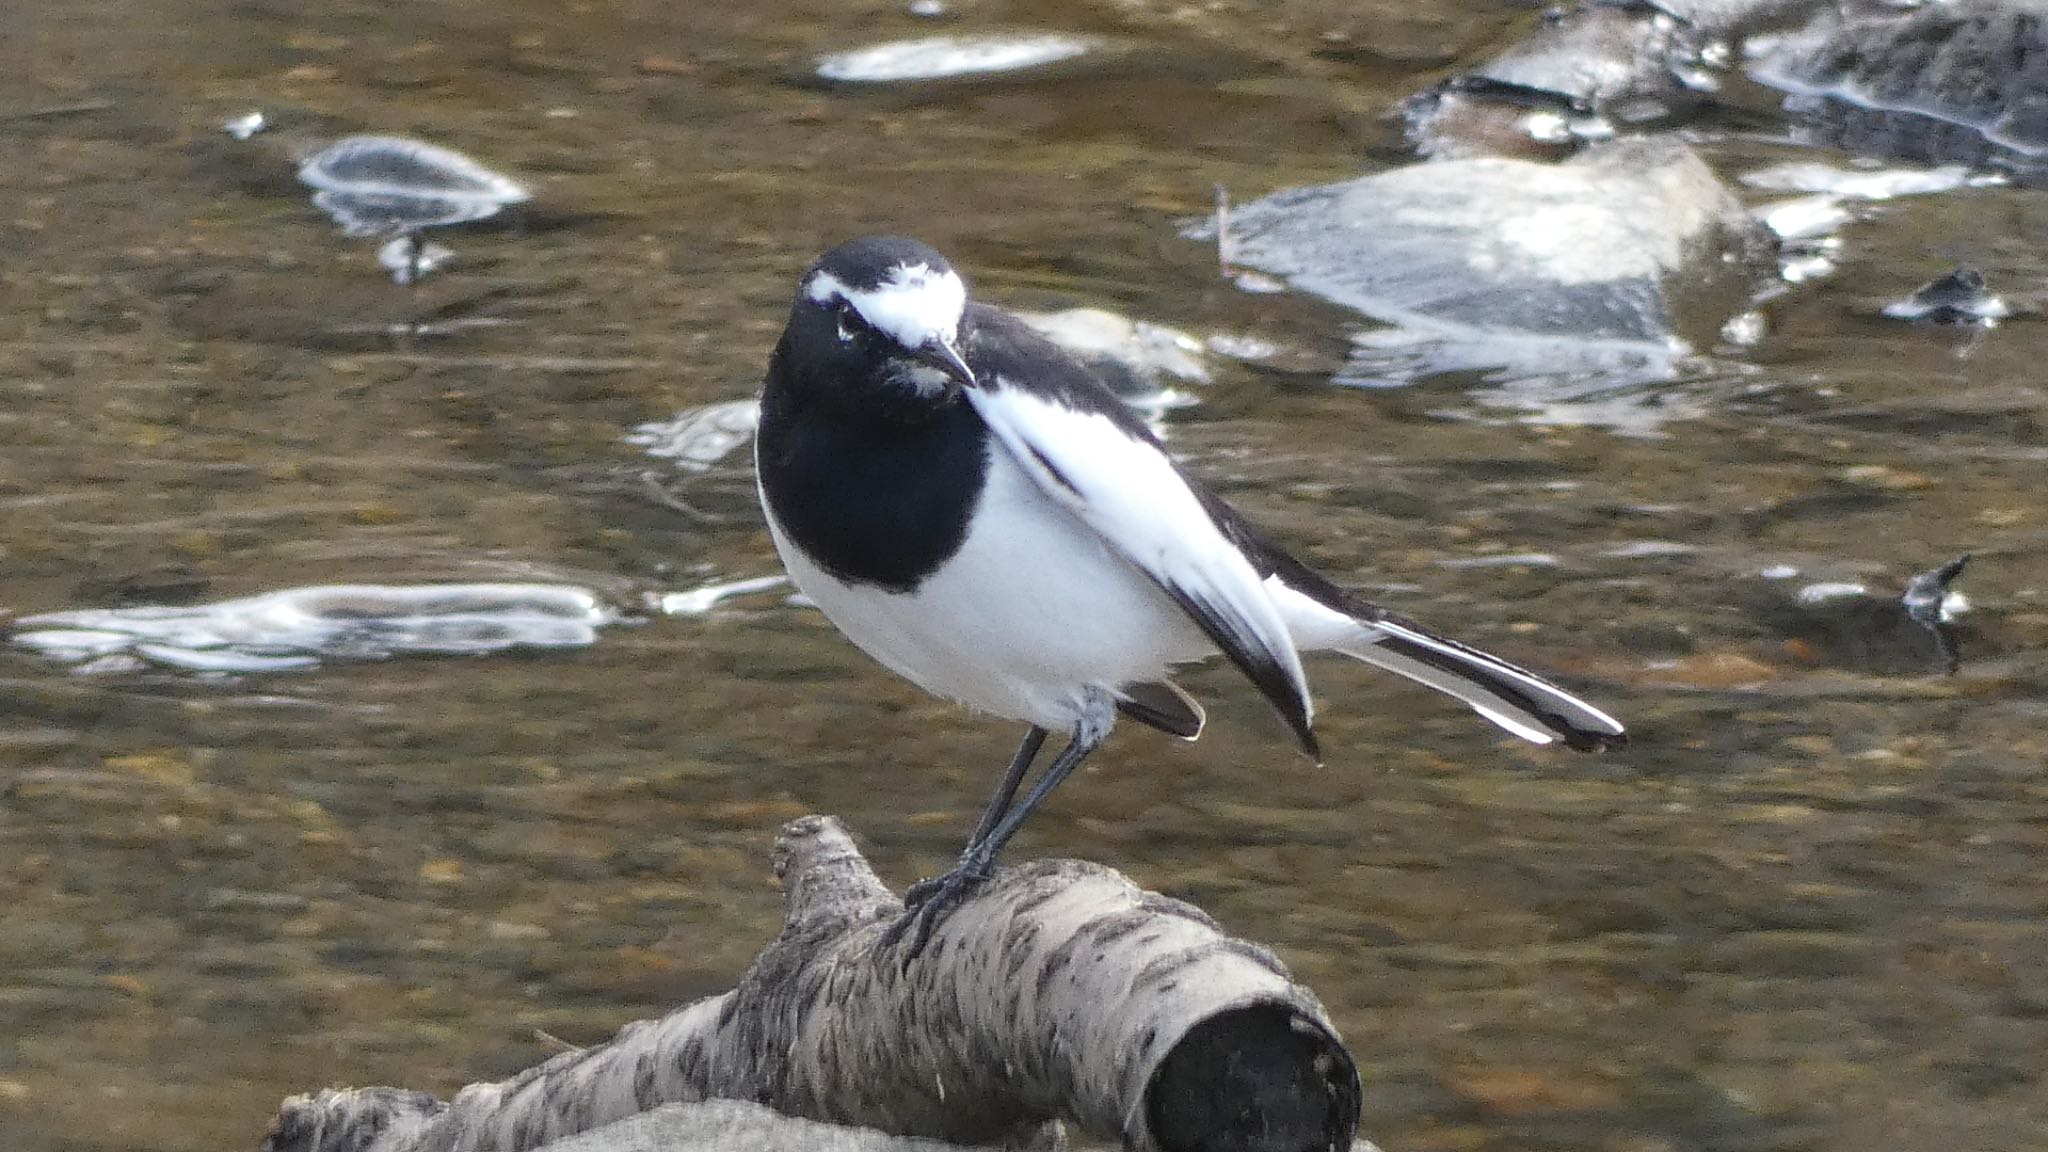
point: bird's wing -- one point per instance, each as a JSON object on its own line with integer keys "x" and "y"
{"x": 1085, "y": 451}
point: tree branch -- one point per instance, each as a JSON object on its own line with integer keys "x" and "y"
{"x": 1059, "y": 990}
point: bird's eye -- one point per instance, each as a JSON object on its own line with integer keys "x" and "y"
{"x": 852, "y": 324}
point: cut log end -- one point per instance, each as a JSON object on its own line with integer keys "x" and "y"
{"x": 1263, "y": 1078}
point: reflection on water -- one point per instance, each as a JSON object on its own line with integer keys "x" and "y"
{"x": 1802, "y": 911}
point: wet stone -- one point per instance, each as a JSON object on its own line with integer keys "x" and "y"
{"x": 951, "y": 57}
{"x": 1978, "y": 65}
{"x": 1632, "y": 242}
{"x": 1959, "y": 297}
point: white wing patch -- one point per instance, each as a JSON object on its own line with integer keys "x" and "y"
{"x": 1128, "y": 492}
{"x": 912, "y": 305}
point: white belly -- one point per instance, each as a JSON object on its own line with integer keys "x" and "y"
{"x": 1025, "y": 621}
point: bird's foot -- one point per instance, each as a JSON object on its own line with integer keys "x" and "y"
{"x": 930, "y": 901}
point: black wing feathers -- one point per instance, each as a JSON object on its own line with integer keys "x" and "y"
{"x": 1252, "y": 659}
{"x": 1163, "y": 705}
{"x": 1004, "y": 348}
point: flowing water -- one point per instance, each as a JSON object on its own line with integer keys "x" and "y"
{"x": 1803, "y": 911}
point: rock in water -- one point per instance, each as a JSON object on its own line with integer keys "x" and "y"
{"x": 374, "y": 185}
{"x": 1890, "y": 79}
{"x": 1593, "y": 69}
{"x": 1632, "y": 241}
{"x": 950, "y": 57}
{"x": 1959, "y": 297}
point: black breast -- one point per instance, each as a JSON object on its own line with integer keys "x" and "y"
{"x": 872, "y": 497}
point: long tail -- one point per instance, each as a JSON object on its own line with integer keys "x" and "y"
{"x": 1514, "y": 698}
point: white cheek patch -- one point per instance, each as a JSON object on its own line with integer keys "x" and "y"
{"x": 912, "y": 305}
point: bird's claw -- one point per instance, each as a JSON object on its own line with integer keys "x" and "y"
{"x": 930, "y": 901}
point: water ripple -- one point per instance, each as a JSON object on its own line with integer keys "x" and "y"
{"x": 301, "y": 628}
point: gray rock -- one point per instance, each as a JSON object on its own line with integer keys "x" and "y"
{"x": 1958, "y": 297}
{"x": 1592, "y": 70}
{"x": 1633, "y": 241}
{"x": 1597, "y": 55}
{"x": 1981, "y": 65}
{"x": 1567, "y": 82}
{"x": 1730, "y": 19}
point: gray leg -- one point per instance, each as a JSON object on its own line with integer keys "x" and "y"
{"x": 983, "y": 852}
{"x": 928, "y": 901}
{"x": 1007, "y": 790}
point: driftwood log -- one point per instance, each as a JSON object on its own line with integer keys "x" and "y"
{"x": 1059, "y": 991}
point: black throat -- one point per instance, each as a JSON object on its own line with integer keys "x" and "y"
{"x": 874, "y": 492}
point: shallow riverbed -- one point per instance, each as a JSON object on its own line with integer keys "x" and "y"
{"x": 1803, "y": 911}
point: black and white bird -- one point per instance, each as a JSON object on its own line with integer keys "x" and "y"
{"x": 978, "y": 512}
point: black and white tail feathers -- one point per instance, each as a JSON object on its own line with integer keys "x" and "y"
{"x": 1323, "y": 617}
{"x": 1514, "y": 698}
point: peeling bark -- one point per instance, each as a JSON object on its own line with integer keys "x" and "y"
{"x": 1058, "y": 991}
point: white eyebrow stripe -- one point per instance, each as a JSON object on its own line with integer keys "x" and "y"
{"x": 823, "y": 287}
{"x": 912, "y": 306}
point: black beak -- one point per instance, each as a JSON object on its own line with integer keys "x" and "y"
{"x": 946, "y": 358}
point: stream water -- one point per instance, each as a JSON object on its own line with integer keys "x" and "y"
{"x": 1804, "y": 910}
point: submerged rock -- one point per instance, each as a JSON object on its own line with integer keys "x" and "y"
{"x": 1633, "y": 241}
{"x": 1959, "y": 297}
{"x": 1846, "y": 623}
{"x": 951, "y": 57}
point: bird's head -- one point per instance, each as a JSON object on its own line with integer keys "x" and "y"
{"x": 887, "y": 311}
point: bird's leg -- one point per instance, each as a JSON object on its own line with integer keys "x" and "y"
{"x": 998, "y": 804}
{"x": 929, "y": 901}
{"x": 1007, "y": 790}
{"x": 1087, "y": 738}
